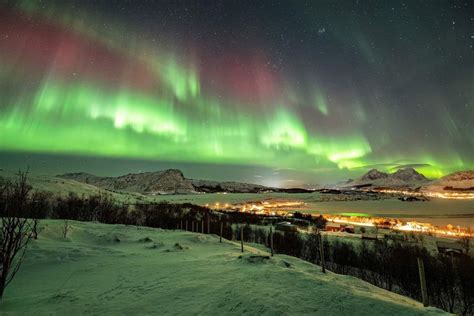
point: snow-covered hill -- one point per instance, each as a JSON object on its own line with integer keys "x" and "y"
{"x": 116, "y": 269}
{"x": 57, "y": 186}
{"x": 462, "y": 181}
{"x": 171, "y": 181}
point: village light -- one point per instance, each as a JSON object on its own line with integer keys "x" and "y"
{"x": 277, "y": 208}
{"x": 441, "y": 195}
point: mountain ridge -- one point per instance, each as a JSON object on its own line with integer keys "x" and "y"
{"x": 402, "y": 178}
{"x": 170, "y": 181}
{"x": 409, "y": 178}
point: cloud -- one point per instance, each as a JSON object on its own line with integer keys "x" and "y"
{"x": 413, "y": 165}
{"x": 394, "y": 165}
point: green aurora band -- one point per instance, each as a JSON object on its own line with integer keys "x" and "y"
{"x": 80, "y": 117}
{"x": 182, "y": 117}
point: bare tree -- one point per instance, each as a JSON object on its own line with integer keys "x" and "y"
{"x": 16, "y": 229}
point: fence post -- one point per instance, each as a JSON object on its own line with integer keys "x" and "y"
{"x": 220, "y": 238}
{"x": 202, "y": 224}
{"x": 192, "y": 226}
{"x": 186, "y": 225}
{"x": 66, "y": 228}
{"x": 321, "y": 252}
{"x": 208, "y": 224}
{"x": 421, "y": 272}
{"x": 271, "y": 240}
{"x": 242, "y": 238}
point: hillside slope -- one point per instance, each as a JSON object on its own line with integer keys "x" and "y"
{"x": 136, "y": 270}
{"x": 171, "y": 181}
{"x": 462, "y": 181}
{"x": 62, "y": 186}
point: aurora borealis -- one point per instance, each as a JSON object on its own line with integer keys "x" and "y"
{"x": 324, "y": 89}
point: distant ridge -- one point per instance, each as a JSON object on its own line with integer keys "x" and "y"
{"x": 170, "y": 181}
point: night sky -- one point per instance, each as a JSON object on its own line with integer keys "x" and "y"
{"x": 272, "y": 92}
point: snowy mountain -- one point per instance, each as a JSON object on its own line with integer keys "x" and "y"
{"x": 402, "y": 178}
{"x": 373, "y": 174}
{"x": 171, "y": 181}
{"x": 408, "y": 175}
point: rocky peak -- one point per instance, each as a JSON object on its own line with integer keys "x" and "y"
{"x": 374, "y": 174}
{"x": 173, "y": 173}
{"x": 408, "y": 174}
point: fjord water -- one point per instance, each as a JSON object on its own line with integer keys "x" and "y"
{"x": 435, "y": 211}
